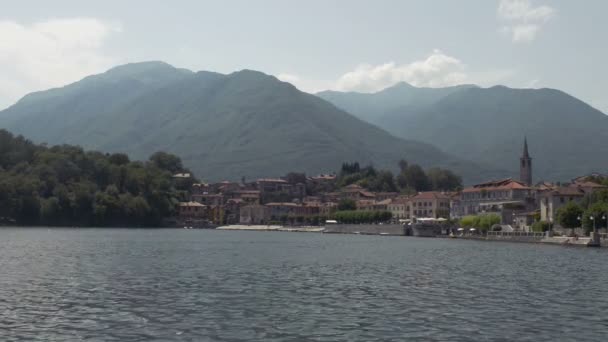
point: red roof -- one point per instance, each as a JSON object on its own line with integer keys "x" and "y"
{"x": 430, "y": 195}
{"x": 589, "y": 185}
{"x": 503, "y": 184}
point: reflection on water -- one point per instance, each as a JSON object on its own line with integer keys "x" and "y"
{"x": 189, "y": 285}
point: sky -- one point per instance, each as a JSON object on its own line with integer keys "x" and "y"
{"x": 345, "y": 45}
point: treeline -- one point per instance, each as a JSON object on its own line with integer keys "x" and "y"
{"x": 480, "y": 222}
{"x": 592, "y": 211}
{"x": 65, "y": 185}
{"x": 410, "y": 179}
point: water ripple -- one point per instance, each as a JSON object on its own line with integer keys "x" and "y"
{"x": 175, "y": 285}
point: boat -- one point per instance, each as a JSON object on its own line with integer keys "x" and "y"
{"x": 426, "y": 227}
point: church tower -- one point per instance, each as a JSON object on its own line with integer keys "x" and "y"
{"x": 525, "y": 166}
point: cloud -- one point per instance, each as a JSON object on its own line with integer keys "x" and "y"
{"x": 436, "y": 70}
{"x": 522, "y": 20}
{"x": 50, "y": 53}
{"x": 293, "y": 79}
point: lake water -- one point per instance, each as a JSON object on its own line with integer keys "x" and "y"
{"x": 199, "y": 285}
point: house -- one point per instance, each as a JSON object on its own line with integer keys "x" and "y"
{"x": 247, "y": 196}
{"x": 254, "y": 214}
{"x": 327, "y": 208}
{"x": 356, "y": 192}
{"x": 189, "y": 210}
{"x": 280, "y": 186}
{"x": 306, "y": 210}
{"x": 280, "y": 210}
{"x": 456, "y": 207}
{"x": 552, "y": 200}
{"x": 208, "y": 199}
{"x": 400, "y": 208}
{"x": 502, "y": 197}
{"x": 432, "y": 204}
{"x": 589, "y": 187}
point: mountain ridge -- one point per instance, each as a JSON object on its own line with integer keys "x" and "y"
{"x": 489, "y": 125}
{"x": 245, "y": 123}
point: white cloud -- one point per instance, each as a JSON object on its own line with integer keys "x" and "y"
{"x": 293, "y": 79}
{"x": 436, "y": 70}
{"x": 522, "y": 20}
{"x": 50, "y": 53}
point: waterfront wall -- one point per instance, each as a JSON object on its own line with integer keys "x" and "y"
{"x": 371, "y": 229}
{"x": 515, "y": 236}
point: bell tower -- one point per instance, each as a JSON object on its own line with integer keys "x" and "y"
{"x": 525, "y": 166}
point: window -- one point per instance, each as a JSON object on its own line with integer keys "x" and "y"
{"x": 561, "y": 200}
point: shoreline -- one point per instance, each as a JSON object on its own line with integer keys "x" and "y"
{"x": 554, "y": 240}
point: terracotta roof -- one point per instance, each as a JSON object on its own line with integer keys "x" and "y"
{"x": 352, "y": 187}
{"x": 503, "y": 184}
{"x": 564, "y": 191}
{"x": 400, "y": 200}
{"x": 589, "y": 185}
{"x": 367, "y": 194}
{"x": 431, "y": 195}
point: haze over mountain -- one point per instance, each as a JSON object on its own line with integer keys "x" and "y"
{"x": 223, "y": 126}
{"x": 567, "y": 137}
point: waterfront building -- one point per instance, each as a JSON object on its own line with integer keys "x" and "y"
{"x": 356, "y": 193}
{"x": 431, "y": 204}
{"x": 192, "y": 210}
{"x": 552, "y": 200}
{"x": 254, "y": 214}
{"x": 400, "y": 208}
{"x": 502, "y": 197}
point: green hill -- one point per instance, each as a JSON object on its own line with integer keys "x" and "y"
{"x": 222, "y": 126}
{"x": 567, "y": 137}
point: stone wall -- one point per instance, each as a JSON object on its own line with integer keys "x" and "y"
{"x": 369, "y": 229}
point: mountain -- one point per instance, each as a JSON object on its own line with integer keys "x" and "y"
{"x": 567, "y": 137}
{"x": 372, "y": 107}
{"x": 222, "y": 126}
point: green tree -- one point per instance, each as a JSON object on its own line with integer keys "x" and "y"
{"x": 414, "y": 177}
{"x": 569, "y": 215}
{"x": 598, "y": 211}
{"x": 167, "y": 161}
{"x": 541, "y": 226}
{"x": 347, "y": 204}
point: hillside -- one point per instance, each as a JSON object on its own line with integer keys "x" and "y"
{"x": 222, "y": 126}
{"x": 566, "y": 136}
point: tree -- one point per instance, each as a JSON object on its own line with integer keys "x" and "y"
{"x": 481, "y": 222}
{"x": 444, "y": 180}
{"x": 568, "y": 216}
{"x": 598, "y": 211}
{"x": 347, "y": 204}
{"x": 415, "y": 178}
{"x": 66, "y": 185}
{"x": 402, "y": 165}
{"x": 541, "y": 226}
{"x": 167, "y": 161}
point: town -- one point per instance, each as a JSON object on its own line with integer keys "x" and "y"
{"x": 507, "y": 205}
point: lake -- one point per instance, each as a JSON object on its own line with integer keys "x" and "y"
{"x": 205, "y": 285}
